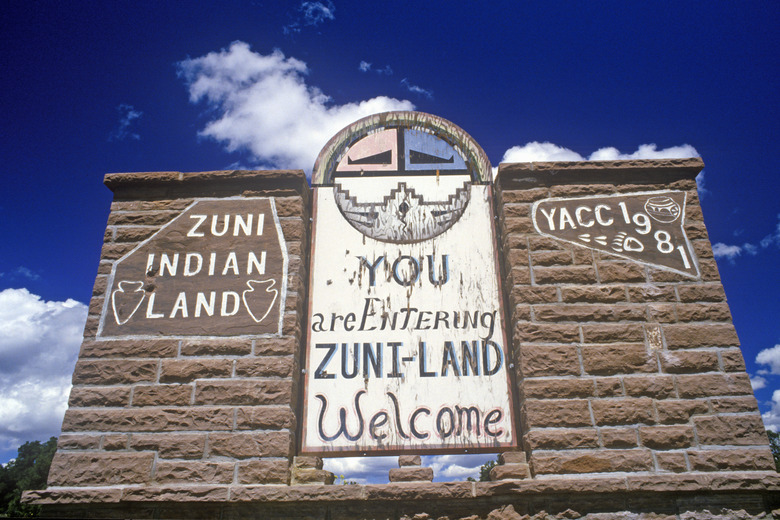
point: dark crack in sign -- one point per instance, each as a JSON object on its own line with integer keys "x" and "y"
{"x": 645, "y": 227}
{"x": 218, "y": 269}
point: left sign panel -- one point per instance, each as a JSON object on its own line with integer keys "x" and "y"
{"x": 217, "y": 269}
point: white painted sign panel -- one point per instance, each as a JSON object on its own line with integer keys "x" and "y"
{"x": 406, "y": 341}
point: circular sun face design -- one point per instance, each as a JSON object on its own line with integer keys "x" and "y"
{"x": 402, "y": 185}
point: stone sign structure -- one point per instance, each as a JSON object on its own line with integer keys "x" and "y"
{"x": 196, "y": 387}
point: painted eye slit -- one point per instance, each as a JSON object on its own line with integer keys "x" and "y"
{"x": 379, "y": 158}
{"x": 416, "y": 157}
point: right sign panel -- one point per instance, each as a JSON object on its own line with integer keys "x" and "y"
{"x": 646, "y": 227}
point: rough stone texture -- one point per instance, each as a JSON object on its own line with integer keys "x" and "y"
{"x": 411, "y": 474}
{"x": 96, "y": 468}
{"x": 409, "y": 460}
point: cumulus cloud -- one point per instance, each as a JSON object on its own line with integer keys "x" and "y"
{"x": 701, "y": 185}
{"x": 127, "y": 115}
{"x": 771, "y": 358}
{"x": 772, "y": 417}
{"x": 731, "y": 252}
{"x": 544, "y": 152}
{"x": 364, "y": 66}
{"x": 757, "y": 382}
{"x": 416, "y": 89}
{"x": 39, "y": 344}
{"x": 457, "y": 467}
{"x": 263, "y": 105}
{"x": 311, "y": 14}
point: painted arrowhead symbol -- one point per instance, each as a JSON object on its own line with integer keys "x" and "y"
{"x": 256, "y": 302}
{"x": 126, "y": 298}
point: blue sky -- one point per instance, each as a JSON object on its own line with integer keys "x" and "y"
{"x": 143, "y": 86}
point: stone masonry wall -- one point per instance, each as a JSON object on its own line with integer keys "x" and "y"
{"x": 186, "y": 412}
{"x": 622, "y": 367}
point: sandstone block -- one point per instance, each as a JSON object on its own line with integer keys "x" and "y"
{"x": 560, "y": 439}
{"x": 666, "y": 437}
{"x": 526, "y": 332}
{"x": 618, "y": 437}
{"x": 659, "y": 387}
{"x": 671, "y": 461}
{"x": 591, "y": 461}
{"x": 589, "y": 312}
{"x": 265, "y": 418}
{"x": 548, "y": 258}
{"x": 187, "y": 370}
{"x": 246, "y": 445}
{"x": 679, "y": 411}
{"x": 115, "y": 442}
{"x": 612, "y": 332}
{"x": 112, "y": 251}
{"x": 292, "y": 228}
{"x": 104, "y": 372}
{"x": 300, "y": 461}
{"x": 517, "y": 257}
{"x": 162, "y": 395}
{"x": 150, "y": 205}
{"x": 518, "y": 225}
{"x": 725, "y": 430}
{"x": 609, "y": 412}
{"x": 593, "y": 293}
{"x": 758, "y": 459}
{"x": 558, "y": 360}
{"x": 534, "y": 294}
{"x": 520, "y": 274}
{"x": 270, "y": 366}
{"x": 651, "y": 293}
{"x": 540, "y": 413}
{"x": 608, "y": 387}
{"x": 75, "y": 441}
{"x": 510, "y": 472}
{"x": 576, "y": 274}
{"x": 275, "y": 346}
{"x": 703, "y": 312}
{"x": 100, "y": 285}
{"x": 193, "y": 472}
{"x": 100, "y": 468}
{"x": 734, "y": 404}
{"x": 512, "y": 457}
{"x": 705, "y": 292}
{"x": 700, "y": 335}
{"x": 132, "y": 234}
{"x": 556, "y": 388}
{"x": 582, "y": 256}
{"x": 529, "y": 195}
{"x": 263, "y": 472}
{"x": 290, "y": 206}
{"x": 732, "y": 360}
{"x": 148, "y": 419}
{"x": 135, "y": 348}
{"x": 409, "y": 460}
{"x": 219, "y": 347}
{"x": 620, "y": 272}
{"x": 312, "y": 476}
{"x": 711, "y": 385}
{"x": 245, "y": 391}
{"x": 689, "y": 361}
{"x": 618, "y": 358}
{"x": 178, "y": 494}
{"x": 99, "y": 396}
{"x": 661, "y": 312}
{"x": 411, "y": 474}
{"x": 171, "y": 445}
{"x": 515, "y": 241}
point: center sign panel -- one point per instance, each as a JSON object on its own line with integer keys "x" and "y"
{"x": 406, "y": 342}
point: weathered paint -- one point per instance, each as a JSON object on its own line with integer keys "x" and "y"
{"x": 406, "y": 342}
{"x": 646, "y": 227}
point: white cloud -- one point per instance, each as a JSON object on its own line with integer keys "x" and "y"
{"x": 364, "y": 66}
{"x": 772, "y": 417}
{"x": 540, "y": 152}
{"x": 21, "y": 272}
{"x": 729, "y": 252}
{"x": 416, "y": 89}
{"x": 39, "y": 343}
{"x": 311, "y": 14}
{"x": 127, "y": 114}
{"x": 545, "y": 152}
{"x": 771, "y": 357}
{"x": 363, "y": 470}
{"x": 757, "y": 382}
{"x": 262, "y": 104}
{"x": 701, "y": 184}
